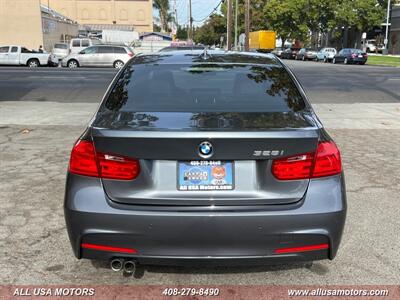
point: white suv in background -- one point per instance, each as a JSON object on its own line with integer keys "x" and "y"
{"x": 326, "y": 54}
{"x": 78, "y": 44}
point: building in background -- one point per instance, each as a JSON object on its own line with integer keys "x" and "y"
{"x": 96, "y": 15}
{"x": 30, "y": 24}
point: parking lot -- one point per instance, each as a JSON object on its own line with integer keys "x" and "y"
{"x": 43, "y": 111}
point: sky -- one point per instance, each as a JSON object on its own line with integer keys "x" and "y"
{"x": 200, "y": 10}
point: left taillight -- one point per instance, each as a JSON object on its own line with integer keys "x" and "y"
{"x": 325, "y": 161}
{"x": 86, "y": 161}
{"x": 130, "y": 54}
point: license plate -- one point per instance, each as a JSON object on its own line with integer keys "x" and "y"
{"x": 205, "y": 176}
{"x": 360, "y": 55}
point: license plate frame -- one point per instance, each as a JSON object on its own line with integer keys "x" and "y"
{"x": 210, "y": 175}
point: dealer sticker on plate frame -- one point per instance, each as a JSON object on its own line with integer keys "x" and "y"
{"x": 205, "y": 175}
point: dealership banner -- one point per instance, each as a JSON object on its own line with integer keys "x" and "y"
{"x": 206, "y": 291}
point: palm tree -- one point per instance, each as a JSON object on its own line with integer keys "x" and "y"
{"x": 163, "y": 10}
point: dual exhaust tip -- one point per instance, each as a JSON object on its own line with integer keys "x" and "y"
{"x": 119, "y": 264}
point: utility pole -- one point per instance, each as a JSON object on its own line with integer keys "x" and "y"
{"x": 236, "y": 24}
{"x": 247, "y": 25}
{"x": 176, "y": 19}
{"x": 176, "y": 15}
{"x": 385, "y": 50}
{"x": 229, "y": 26}
{"x": 190, "y": 21}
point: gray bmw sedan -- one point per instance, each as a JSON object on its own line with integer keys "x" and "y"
{"x": 205, "y": 157}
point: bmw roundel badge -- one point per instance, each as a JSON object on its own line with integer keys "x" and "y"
{"x": 205, "y": 149}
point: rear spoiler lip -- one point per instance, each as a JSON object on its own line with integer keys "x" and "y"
{"x": 307, "y": 132}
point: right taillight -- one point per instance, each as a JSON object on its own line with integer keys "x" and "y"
{"x": 327, "y": 160}
{"x": 324, "y": 162}
{"x": 86, "y": 161}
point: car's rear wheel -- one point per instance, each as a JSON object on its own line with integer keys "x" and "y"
{"x": 33, "y": 63}
{"x": 346, "y": 61}
{"x": 73, "y": 64}
{"x": 118, "y": 64}
{"x": 325, "y": 60}
{"x": 334, "y": 60}
{"x": 303, "y": 58}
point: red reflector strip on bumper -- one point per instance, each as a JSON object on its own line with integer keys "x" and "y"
{"x": 108, "y": 248}
{"x": 302, "y": 249}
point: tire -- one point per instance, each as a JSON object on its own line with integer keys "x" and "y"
{"x": 118, "y": 64}
{"x": 325, "y": 60}
{"x": 345, "y": 61}
{"x": 303, "y": 58}
{"x": 33, "y": 63}
{"x": 334, "y": 60}
{"x": 72, "y": 64}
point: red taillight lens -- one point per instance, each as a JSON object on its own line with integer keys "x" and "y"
{"x": 130, "y": 54}
{"x": 294, "y": 167}
{"x": 327, "y": 160}
{"x": 354, "y": 55}
{"x": 85, "y": 161}
{"x": 324, "y": 162}
{"x": 117, "y": 167}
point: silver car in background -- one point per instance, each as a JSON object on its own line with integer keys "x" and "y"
{"x": 326, "y": 54}
{"x": 99, "y": 56}
{"x": 60, "y": 50}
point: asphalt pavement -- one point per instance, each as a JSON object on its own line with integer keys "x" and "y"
{"x": 324, "y": 83}
{"x": 44, "y": 111}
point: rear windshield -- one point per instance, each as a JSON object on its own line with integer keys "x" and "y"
{"x": 204, "y": 88}
{"x": 61, "y": 46}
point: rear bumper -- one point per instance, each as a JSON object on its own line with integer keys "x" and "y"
{"x": 233, "y": 236}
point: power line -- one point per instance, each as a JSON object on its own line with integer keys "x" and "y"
{"x": 214, "y": 10}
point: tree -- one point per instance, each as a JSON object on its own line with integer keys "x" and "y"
{"x": 211, "y": 31}
{"x": 181, "y": 33}
{"x": 362, "y": 14}
{"x": 296, "y": 19}
{"x": 287, "y": 18}
{"x": 163, "y": 10}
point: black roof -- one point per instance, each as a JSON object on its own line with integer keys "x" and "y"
{"x": 211, "y": 56}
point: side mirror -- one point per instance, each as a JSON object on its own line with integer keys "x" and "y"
{"x": 82, "y": 52}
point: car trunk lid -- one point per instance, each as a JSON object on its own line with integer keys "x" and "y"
{"x": 250, "y": 140}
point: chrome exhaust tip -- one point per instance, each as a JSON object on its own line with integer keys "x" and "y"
{"x": 117, "y": 264}
{"x": 129, "y": 266}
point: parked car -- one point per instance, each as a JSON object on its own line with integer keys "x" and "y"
{"x": 99, "y": 56}
{"x": 60, "y": 50}
{"x": 306, "y": 54}
{"x": 326, "y": 54}
{"x": 350, "y": 55}
{"x": 289, "y": 53}
{"x": 17, "y": 55}
{"x": 278, "y": 51}
{"x": 78, "y": 44}
{"x": 192, "y": 158}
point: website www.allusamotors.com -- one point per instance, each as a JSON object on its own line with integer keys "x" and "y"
{"x": 338, "y": 292}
